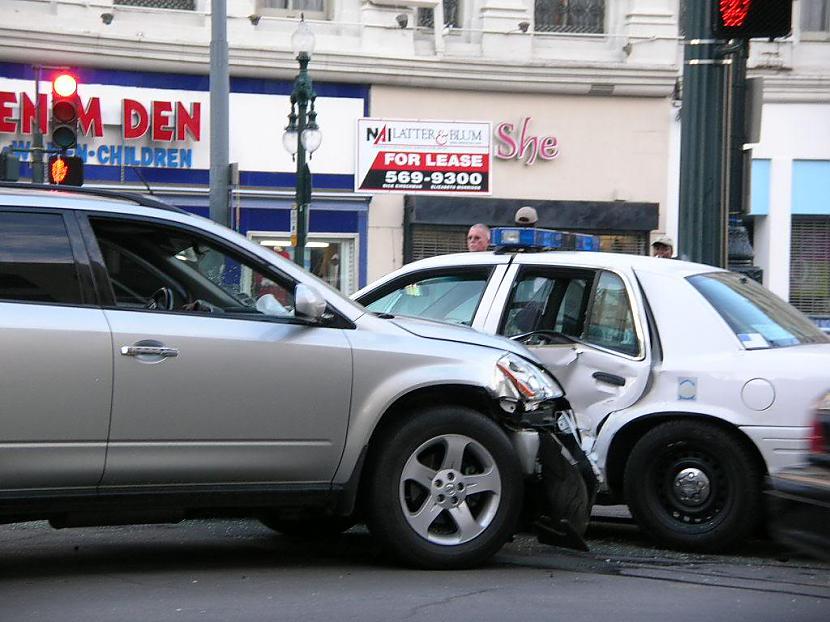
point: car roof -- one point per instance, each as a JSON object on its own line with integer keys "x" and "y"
{"x": 583, "y": 259}
{"x": 44, "y": 195}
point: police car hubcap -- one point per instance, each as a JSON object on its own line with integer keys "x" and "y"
{"x": 691, "y": 486}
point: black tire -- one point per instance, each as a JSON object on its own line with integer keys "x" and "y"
{"x": 485, "y": 462}
{"x": 308, "y": 528}
{"x": 707, "y": 520}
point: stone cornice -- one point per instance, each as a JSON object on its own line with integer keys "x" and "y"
{"x": 439, "y": 72}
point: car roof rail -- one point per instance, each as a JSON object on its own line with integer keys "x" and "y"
{"x": 124, "y": 195}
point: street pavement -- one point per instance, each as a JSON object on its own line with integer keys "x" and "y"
{"x": 228, "y": 570}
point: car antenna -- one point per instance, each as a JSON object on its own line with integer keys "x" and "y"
{"x": 140, "y": 175}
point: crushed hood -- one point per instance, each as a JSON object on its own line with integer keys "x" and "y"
{"x": 429, "y": 329}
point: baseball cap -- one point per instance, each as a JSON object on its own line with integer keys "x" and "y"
{"x": 526, "y": 216}
{"x": 665, "y": 241}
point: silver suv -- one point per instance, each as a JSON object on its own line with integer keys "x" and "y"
{"x": 158, "y": 366}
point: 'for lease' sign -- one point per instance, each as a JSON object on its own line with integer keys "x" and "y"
{"x": 423, "y": 156}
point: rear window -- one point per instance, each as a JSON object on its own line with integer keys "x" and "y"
{"x": 759, "y": 318}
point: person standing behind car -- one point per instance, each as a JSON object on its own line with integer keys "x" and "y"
{"x": 663, "y": 247}
{"x": 478, "y": 238}
{"x": 526, "y": 216}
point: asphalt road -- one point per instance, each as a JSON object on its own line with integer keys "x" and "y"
{"x": 239, "y": 570}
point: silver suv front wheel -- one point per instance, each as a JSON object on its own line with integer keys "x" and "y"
{"x": 445, "y": 489}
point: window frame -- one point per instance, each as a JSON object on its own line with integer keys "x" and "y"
{"x": 638, "y": 332}
{"x": 332, "y": 319}
{"x": 812, "y": 35}
{"x": 87, "y": 291}
{"x": 293, "y": 12}
{"x": 430, "y": 273}
{"x": 548, "y": 272}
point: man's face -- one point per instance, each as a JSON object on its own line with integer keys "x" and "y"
{"x": 477, "y": 240}
{"x": 661, "y": 250}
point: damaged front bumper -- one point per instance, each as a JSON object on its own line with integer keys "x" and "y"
{"x": 561, "y": 479}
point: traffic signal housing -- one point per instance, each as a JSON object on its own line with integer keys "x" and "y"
{"x": 65, "y": 110}
{"x": 748, "y": 19}
{"x": 66, "y": 170}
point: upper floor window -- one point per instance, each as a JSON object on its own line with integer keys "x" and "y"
{"x": 182, "y": 5}
{"x": 815, "y": 16}
{"x": 570, "y": 16}
{"x": 426, "y": 17}
{"x": 310, "y": 8}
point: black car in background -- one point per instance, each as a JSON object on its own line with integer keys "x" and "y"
{"x": 800, "y": 504}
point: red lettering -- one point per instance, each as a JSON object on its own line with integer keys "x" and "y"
{"x": 27, "y": 115}
{"x": 163, "y": 125}
{"x": 90, "y": 117}
{"x": 188, "y": 122}
{"x": 135, "y": 120}
{"x": 7, "y": 125}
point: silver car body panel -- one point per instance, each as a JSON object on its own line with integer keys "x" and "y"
{"x": 55, "y": 393}
{"x": 238, "y": 404}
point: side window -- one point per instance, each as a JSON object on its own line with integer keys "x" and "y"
{"x": 611, "y": 322}
{"x": 547, "y": 302}
{"x": 528, "y": 304}
{"x": 36, "y": 261}
{"x": 449, "y": 298}
{"x": 168, "y": 269}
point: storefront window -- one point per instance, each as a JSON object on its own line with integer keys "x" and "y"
{"x": 583, "y": 16}
{"x": 331, "y": 257}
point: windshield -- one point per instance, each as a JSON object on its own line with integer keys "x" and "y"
{"x": 759, "y": 318}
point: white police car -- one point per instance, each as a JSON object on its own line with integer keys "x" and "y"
{"x": 690, "y": 382}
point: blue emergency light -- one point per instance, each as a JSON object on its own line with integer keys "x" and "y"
{"x": 533, "y": 239}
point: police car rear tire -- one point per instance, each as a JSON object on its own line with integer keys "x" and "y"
{"x": 693, "y": 486}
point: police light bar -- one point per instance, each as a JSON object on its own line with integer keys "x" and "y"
{"x": 533, "y": 239}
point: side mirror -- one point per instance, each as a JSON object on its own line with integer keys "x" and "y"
{"x": 308, "y": 304}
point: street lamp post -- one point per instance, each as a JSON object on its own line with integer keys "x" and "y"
{"x": 302, "y": 136}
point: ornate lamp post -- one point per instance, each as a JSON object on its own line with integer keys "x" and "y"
{"x": 302, "y": 136}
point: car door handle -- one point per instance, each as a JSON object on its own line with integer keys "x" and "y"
{"x": 603, "y": 376}
{"x": 161, "y": 351}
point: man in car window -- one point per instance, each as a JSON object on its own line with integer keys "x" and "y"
{"x": 478, "y": 238}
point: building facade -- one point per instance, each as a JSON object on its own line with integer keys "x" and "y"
{"x": 598, "y": 76}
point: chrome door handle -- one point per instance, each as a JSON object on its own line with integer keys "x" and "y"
{"x": 149, "y": 351}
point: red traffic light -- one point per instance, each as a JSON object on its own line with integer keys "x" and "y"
{"x": 747, "y": 19}
{"x": 65, "y": 110}
{"x": 66, "y": 171}
{"x": 65, "y": 85}
{"x": 734, "y": 12}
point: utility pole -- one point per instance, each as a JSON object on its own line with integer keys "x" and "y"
{"x": 37, "y": 137}
{"x": 703, "y": 214}
{"x": 219, "y": 126}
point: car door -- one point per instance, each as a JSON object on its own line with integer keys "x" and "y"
{"x": 55, "y": 355}
{"x": 216, "y": 381}
{"x": 585, "y": 324}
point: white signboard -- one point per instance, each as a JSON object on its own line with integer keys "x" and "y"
{"x": 423, "y": 156}
{"x": 170, "y": 129}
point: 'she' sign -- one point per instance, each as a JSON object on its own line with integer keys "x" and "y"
{"x": 423, "y": 156}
